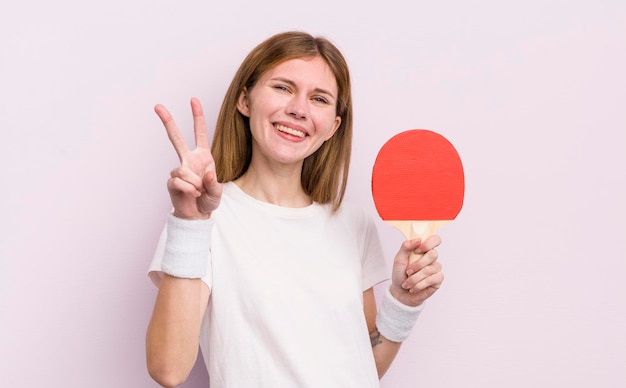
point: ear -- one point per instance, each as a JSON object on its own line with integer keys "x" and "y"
{"x": 242, "y": 103}
{"x": 336, "y": 125}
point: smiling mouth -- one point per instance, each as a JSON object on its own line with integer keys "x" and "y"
{"x": 291, "y": 131}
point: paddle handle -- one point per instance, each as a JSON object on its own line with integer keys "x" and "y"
{"x": 415, "y": 229}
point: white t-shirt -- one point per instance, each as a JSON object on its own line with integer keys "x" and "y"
{"x": 286, "y": 305}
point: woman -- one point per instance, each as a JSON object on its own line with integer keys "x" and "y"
{"x": 261, "y": 263}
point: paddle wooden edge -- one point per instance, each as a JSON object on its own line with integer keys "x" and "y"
{"x": 417, "y": 229}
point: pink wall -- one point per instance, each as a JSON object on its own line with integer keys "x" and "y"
{"x": 531, "y": 94}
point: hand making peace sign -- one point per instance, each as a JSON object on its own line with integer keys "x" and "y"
{"x": 193, "y": 186}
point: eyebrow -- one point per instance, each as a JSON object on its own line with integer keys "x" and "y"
{"x": 293, "y": 84}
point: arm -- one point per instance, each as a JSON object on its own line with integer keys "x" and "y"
{"x": 411, "y": 284}
{"x": 173, "y": 333}
{"x": 384, "y": 350}
{"x": 174, "y": 330}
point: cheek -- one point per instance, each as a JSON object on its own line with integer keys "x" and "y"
{"x": 327, "y": 124}
{"x": 263, "y": 109}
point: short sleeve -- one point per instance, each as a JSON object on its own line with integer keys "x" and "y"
{"x": 374, "y": 265}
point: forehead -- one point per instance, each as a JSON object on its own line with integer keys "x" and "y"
{"x": 308, "y": 71}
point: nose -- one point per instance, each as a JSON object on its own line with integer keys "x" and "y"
{"x": 298, "y": 107}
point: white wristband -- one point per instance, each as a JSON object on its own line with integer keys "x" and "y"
{"x": 187, "y": 247}
{"x": 395, "y": 320}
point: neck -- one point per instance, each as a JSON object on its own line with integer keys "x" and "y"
{"x": 278, "y": 186}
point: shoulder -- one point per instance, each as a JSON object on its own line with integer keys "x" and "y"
{"x": 230, "y": 194}
{"x": 229, "y": 188}
{"x": 354, "y": 213}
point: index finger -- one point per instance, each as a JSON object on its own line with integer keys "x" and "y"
{"x": 173, "y": 133}
{"x": 199, "y": 124}
{"x": 431, "y": 242}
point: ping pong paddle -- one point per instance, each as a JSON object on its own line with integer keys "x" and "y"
{"x": 418, "y": 183}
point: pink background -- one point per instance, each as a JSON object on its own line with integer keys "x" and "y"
{"x": 532, "y": 94}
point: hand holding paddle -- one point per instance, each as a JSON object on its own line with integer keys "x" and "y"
{"x": 418, "y": 183}
{"x": 193, "y": 186}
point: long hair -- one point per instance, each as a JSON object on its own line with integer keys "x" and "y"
{"x": 325, "y": 172}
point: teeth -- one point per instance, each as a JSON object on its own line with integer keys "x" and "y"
{"x": 290, "y": 131}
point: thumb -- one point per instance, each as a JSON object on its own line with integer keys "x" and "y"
{"x": 401, "y": 261}
{"x": 211, "y": 185}
{"x": 212, "y": 194}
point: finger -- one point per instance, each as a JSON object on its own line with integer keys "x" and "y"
{"x": 402, "y": 257}
{"x": 187, "y": 175}
{"x": 173, "y": 133}
{"x": 211, "y": 185}
{"x": 199, "y": 124}
{"x": 432, "y": 282}
{"x": 428, "y": 244}
{"x": 409, "y": 246}
{"x": 212, "y": 194}
{"x": 421, "y": 261}
{"x": 427, "y": 277}
{"x": 178, "y": 186}
{"x": 422, "y": 274}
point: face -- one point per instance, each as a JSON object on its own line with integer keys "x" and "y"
{"x": 292, "y": 110}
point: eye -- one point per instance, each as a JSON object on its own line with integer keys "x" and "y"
{"x": 281, "y": 87}
{"x": 321, "y": 100}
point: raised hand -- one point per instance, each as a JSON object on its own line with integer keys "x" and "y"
{"x": 413, "y": 283}
{"x": 193, "y": 186}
